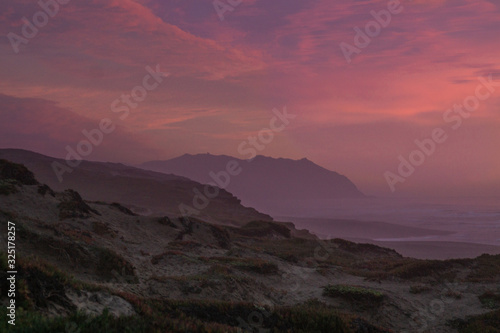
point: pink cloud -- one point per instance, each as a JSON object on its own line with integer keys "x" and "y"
{"x": 43, "y": 126}
{"x": 227, "y": 76}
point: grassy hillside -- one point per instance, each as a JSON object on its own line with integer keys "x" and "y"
{"x": 98, "y": 266}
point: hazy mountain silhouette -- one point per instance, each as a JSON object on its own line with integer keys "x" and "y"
{"x": 146, "y": 192}
{"x": 264, "y": 182}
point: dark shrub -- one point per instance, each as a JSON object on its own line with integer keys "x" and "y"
{"x": 8, "y": 186}
{"x": 222, "y": 237}
{"x": 73, "y": 206}
{"x": 44, "y": 189}
{"x": 112, "y": 266}
{"x": 354, "y": 293}
{"x": 18, "y": 172}
{"x": 166, "y": 221}
{"x": 123, "y": 209}
{"x": 490, "y": 300}
{"x": 263, "y": 229}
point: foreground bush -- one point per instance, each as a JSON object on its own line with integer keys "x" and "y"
{"x": 196, "y": 316}
{"x": 487, "y": 323}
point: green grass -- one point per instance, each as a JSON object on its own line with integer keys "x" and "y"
{"x": 77, "y": 256}
{"x": 37, "y": 283}
{"x": 16, "y": 172}
{"x": 122, "y": 209}
{"x": 485, "y": 268}
{"x": 102, "y": 229}
{"x": 73, "y": 206}
{"x": 490, "y": 300}
{"x": 262, "y": 229}
{"x": 355, "y": 293}
{"x": 419, "y": 289}
{"x": 373, "y": 262}
{"x": 486, "y": 323}
{"x": 45, "y": 189}
{"x": 254, "y": 265}
{"x": 8, "y": 186}
{"x": 367, "y": 260}
{"x": 196, "y": 316}
{"x": 112, "y": 266}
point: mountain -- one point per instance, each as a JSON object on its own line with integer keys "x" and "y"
{"x": 145, "y": 192}
{"x": 269, "y": 184}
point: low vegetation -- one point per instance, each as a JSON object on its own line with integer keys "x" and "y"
{"x": 112, "y": 266}
{"x": 221, "y": 236}
{"x": 490, "y": 300}
{"x": 263, "y": 229}
{"x": 165, "y": 220}
{"x": 155, "y": 260}
{"x": 45, "y": 189}
{"x": 73, "y": 206}
{"x": 122, "y": 209}
{"x": 192, "y": 316}
{"x": 102, "y": 229}
{"x": 486, "y": 323}
{"x": 37, "y": 283}
{"x": 8, "y": 186}
{"x": 353, "y": 293}
{"x": 419, "y": 289}
{"x": 485, "y": 268}
{"x": 16, "y": 172}
{"x": 40, "y": 284}
{"x": 254, "y": 265}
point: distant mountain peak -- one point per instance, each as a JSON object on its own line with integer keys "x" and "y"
{"x": 264, "y": 181}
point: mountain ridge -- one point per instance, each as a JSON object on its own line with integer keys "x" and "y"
{"x": 145, "y": 192}
{"x": 265, "y": 183}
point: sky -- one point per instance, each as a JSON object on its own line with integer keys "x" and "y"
{"x": 228, "y": 68}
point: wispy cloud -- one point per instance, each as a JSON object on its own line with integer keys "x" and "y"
{"x": 226, "y": 76}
